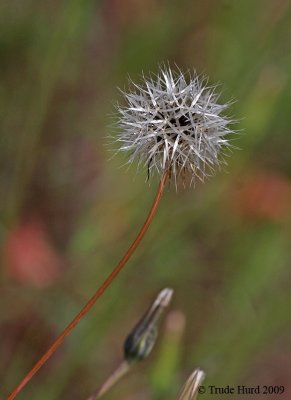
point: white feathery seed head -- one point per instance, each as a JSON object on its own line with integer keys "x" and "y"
{"x": 173, "y": 121}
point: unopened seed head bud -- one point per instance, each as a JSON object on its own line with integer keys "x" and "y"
{"x": 141, "y": 340}
{"x": 190, "y": 389}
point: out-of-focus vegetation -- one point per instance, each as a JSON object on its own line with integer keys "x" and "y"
{"x": 68, "y": 213}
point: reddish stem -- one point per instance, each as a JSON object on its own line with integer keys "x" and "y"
{"x": 96, "y": 295}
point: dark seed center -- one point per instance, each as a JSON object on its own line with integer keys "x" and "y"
{"x": 182, "y": 121}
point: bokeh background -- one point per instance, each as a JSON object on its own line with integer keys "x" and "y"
{"x": 68, "y": 212}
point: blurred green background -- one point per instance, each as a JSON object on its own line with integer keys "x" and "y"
{"x": 68, "y": 212}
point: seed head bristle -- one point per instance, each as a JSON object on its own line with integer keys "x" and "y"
{"x": 174, "y": 121}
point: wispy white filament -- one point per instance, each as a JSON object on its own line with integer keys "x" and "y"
{"x": 174, "y": 122}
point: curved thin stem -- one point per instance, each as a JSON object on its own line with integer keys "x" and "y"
{"x": 96, "y": 295}
{"x": 119, "y": 373}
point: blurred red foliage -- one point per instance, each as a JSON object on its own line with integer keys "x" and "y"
{"x": 264, "y": 195}
{"x": 29, "y": 256}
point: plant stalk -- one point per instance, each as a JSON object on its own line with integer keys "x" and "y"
{"x": 96, "y": 295}
{"x": 113, "y": 378}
